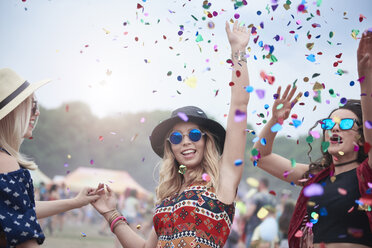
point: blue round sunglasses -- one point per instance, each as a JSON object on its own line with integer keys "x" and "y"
{"x": 176, "y": 137}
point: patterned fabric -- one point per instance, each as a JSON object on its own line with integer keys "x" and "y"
{"x": 195, "y": 218}
{"x": 17, "y": 208}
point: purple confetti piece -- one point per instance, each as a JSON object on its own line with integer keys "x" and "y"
{"x": 313, "y": 190}
{"x": 368, "y": 124}
{"x": 370, "y": 185}
{"x": 183, "y": 116}
{"x": 239, "y": 116}
{"x": 343, "y": 101}
{"x": 260, "y": 93}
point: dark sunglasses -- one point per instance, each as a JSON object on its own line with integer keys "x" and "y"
{"x": 35, "y": 107}
{"x": 345, "y": 124}
{"x": 194, "y": 135}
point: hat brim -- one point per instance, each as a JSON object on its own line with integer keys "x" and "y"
{"x": 159, "y": 133}
{"x": 21, "y": 97}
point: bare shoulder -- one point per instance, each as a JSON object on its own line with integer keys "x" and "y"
{"x": 8, "y": 163}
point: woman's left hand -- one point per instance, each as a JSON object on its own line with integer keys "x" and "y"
{"x": 238, "y": 36}
{"x": 85, "y": 196}
{"x": 364, "y": 56}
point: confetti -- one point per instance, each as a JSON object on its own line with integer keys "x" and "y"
{"x": 342, "y": 191}
{"x": 183, "y": 116}
{"x": 262, "y": 213}
{"x": 260, "y": 93}
{"x": 83, "y": 235}
{"x": 298, "y": 234}
{"x": 325, "y": 145}
{"x": 182, "y": 169}
{"x": 313, "y": 189}
{"x": 68, "y": 156}
{"x": 368, "y": 124}
{"x": 238, "y": 162}
{"x": 311, "y": 58}
{"x": 240, "y": 116}
{"x": 191, "y": 82}
{"x": 206, "y": 177}
{"x": 91, "y": 161}
{"x": 276, "y": 128}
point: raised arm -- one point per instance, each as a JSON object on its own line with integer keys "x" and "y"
{"x": 364, "y": 57}
{"x": 45, "y": 209}
{"x": 106, "y": 205}
{"x": 273, "y": 163}
{"x": 230, "y": 173}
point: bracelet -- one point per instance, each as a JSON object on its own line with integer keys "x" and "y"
{"x": 113, "y": 216}
{"x": 108, "y": 211}
{"x": 240, "y": 56}
{"x": 112, "y": 226}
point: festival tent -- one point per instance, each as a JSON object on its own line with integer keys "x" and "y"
{"x": 118, "y": 181}
{"x": 38, "y": 176}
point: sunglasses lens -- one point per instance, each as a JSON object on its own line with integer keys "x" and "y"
{"x": 346, "y": 124}
{"x": 175, "y": 138}
{"x": 195, "y": 135}
{"x": 328, "y": 124}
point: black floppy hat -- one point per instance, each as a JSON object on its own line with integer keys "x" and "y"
{"x": 194, "y": 115}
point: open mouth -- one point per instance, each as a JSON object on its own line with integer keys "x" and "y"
{"x": 336, "y": 139}
{"x": 188, "y": 152}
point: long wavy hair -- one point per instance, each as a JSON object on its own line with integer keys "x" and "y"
{"x": 170, "y": 181}
{"x": 326, "y": 160}
{"x": 13, "y": 127}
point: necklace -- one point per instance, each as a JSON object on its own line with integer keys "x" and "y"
{"x": 349, "y": 162}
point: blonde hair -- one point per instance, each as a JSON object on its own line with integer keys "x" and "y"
{"x": 13, "y": 127}
{"x": 170, "y": 181}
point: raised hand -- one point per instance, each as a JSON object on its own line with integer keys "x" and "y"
{"x": 364, "y": 56}
{"x": 238, "y": 36}
{"x": 106, "y": 200}
{"x": 283, "y": 105}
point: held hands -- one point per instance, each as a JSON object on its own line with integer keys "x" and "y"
{"x": 85, "y": 196}
{"x": 283, "y": 105}
{"x": 238, "y": 36}
{"x": 364, "y": 56}
{"x": 106, "y": 200}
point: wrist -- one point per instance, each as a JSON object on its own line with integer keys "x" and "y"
{"x": 239, "y": 55}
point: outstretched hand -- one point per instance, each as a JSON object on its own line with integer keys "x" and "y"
{"x": 283, "y": 105}
{"x": 238, "y": 36}
{"x": 106, "y": 200}
{"x": 364, "y": 55}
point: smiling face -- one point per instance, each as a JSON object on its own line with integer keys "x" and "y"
{"x": 342, "y": 142}
{"x": 187, "y": 152}
{"x": 35, "y": 113}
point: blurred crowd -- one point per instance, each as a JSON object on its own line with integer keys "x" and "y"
{"x": 261, "y": 217}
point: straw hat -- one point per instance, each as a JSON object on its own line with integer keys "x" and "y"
{"x": 14, "y": 90}
{"x": 195, "y": 115}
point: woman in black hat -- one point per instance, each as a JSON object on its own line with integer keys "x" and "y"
{"x": 19, "y": 211}
{"x": 200, "y": 172}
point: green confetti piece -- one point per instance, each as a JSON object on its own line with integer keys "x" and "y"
{"x": 273, "y": 59}
{"x": 199, "y": 38}
{"x": 331, "y": 34}
{"x": 318, "y": 3}
{"x": 294, "y": 83}
{"x": 325, "y": 145}
{"x": 293, "y": 162}
{"x": 309, "y": 139}
{"x": 254, "y": 152}
{"x": 196, "y": 19}
{"x": 317, "y": 97}
{"x": 315, "y": 75}
{"x": 280, "y": 106}
{"x": 340, "y": 72}
{"x": 169, "y": 73}
{"x": 182, "y": 169}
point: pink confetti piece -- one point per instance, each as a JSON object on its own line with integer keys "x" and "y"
{"x": 183, "y": 116}
{"x": 369, "y": 185}
{"x": 206, "y": 177}
{"x": 342, "y": 191}
{"x": 286, "y": 173}
{"x": 315, "y": 134}
{"x": 298, "y": 234}
{"x": 143, "y": 119}
{"x": 313, "y": 190}
{"x": 91, "y": 161}
{"x": 368, "y": 124}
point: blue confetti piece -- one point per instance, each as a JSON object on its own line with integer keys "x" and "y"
{"x": 263, "y": 141}
{"x": 255, "y": 58}
{"x": 255, "y": 139}
{"x": 311, "y": 58}
{"x": 293, "y": 184}
{"x": 255, "y": 163}
{"x": 296, "y": 37}
{"x": 249, "y": 89}
{"x": 179, "y": 78}
{"x": 314, "y": 221}
{"x": 296, "y": 123}
{"x": 306, "y": 94}
{"x": 238, "y": 162}
{"x": 352, "y": 83}
{"x": 276, "y": 128}
{"x": 323, "y": 212}
{"x": 266, "y": 106}
{"x": 260, "y": 43}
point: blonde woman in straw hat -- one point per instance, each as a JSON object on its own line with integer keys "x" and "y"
{"x": 18, "y": 209}
{"x": 201, "y": 168}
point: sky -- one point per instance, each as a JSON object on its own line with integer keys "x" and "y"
{"x": 129, "y": 56}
